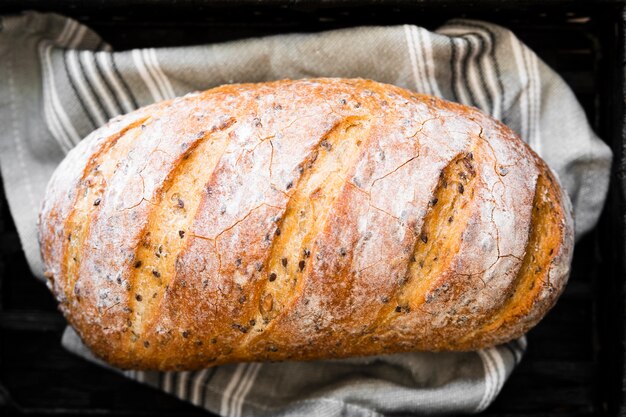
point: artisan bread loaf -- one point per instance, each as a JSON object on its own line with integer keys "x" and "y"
{"x": 309, "y": 219}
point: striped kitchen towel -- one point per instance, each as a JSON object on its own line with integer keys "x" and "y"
{"x": 59, "y": 81}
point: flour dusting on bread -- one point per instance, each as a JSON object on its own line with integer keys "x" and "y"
{"x": 307, "y": 219}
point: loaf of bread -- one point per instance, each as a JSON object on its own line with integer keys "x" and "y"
{"x": 301, "y": 220}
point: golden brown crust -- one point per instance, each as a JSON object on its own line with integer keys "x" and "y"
{"x": 304, "y": 219}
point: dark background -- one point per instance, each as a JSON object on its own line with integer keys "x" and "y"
{"x": 574, "y": 364}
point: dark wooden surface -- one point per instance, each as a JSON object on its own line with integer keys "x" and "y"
{"x": 574, "y": 364}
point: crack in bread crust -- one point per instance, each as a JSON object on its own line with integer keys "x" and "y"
{"x": 436, "y": 243}
{"x": 174, "y": 211}
{"x": 544, "y": 235}
{"x": 90, "y": 196}
{"x": 323, "y": 175}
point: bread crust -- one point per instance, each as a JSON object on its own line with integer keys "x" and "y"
{"x": 306, "y": 219}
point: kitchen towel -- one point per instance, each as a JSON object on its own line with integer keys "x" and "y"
{"x": 59, "y": 80}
